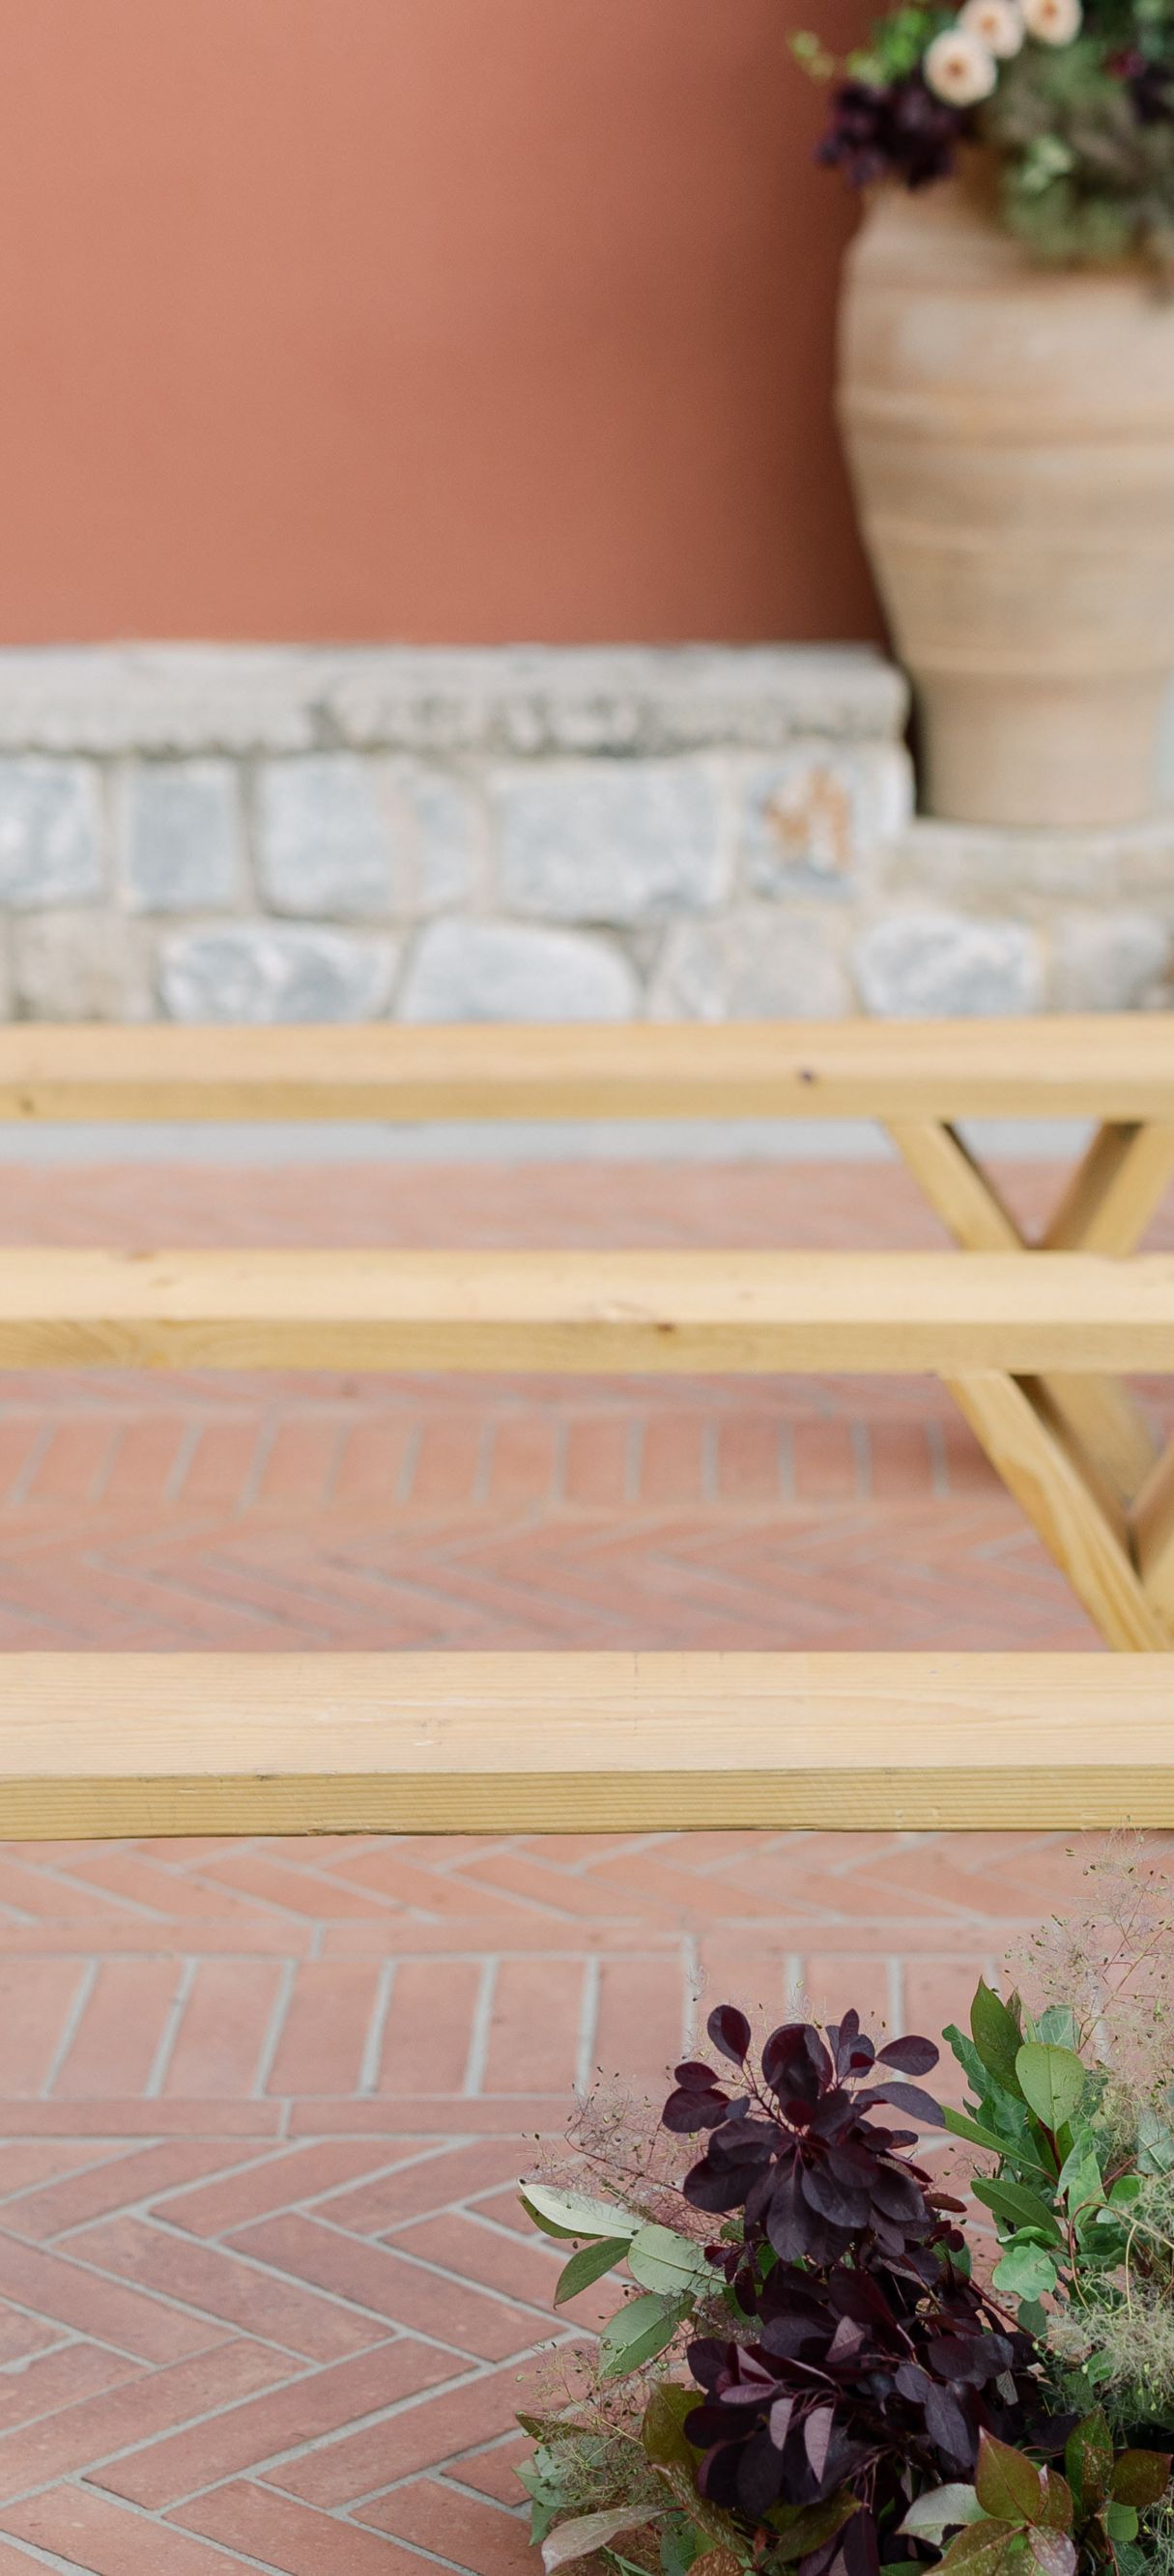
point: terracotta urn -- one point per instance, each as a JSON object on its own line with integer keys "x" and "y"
{"x": 1010, "y": 436}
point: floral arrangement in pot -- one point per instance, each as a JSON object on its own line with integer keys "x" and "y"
{"x": 1075, "y": 113}
{"x": 818, "y": 2366}
{"x": 1007, "y": 387}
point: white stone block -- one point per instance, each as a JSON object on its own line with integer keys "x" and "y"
{"x": 815, "y": 816}
{"x": 324, "y": 837}
{"x": 947, "y": 965}
{"x": 499, "y": 970}
{"x": 1115, "y": 961}
{"x": 609, "y": 841}
{"x": 85, "y": 965}
{"x": 50, "y": 832}
{"x": 263, "y": 972}
{"x": 441, "y": 837}
{"x": 756, "y": 965}
{"x": 180, "y": 835}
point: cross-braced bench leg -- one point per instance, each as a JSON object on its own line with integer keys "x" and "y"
{"x": 1031, "y": 1447}
{"x": 1076, "y": 1451}
{"x": 1106, "y": 1207}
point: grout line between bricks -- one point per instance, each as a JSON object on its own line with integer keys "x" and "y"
{"x": 70, "y": 2027}
{"x": 27, "y": 1474}
{"x": 372, "y": 2058}
{"x": 267, "y": 2054}
{"x": 585, "y": 2041}
{"x": 409, "y": 1463}
{"x": 169, "y": 2034}
{"x": 481, "y": 2028}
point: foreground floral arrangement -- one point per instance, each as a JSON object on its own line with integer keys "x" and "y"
{"x": 807, "y": 2374}
{"x": 1073, "y": 109}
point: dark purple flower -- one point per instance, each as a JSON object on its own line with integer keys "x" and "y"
{"x": 897, "y": 131}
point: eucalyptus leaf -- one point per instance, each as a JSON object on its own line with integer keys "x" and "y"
{"x": 1026, "y": 2272}
{"x": 1013, "y": 2201}
{"x": 961, "y": 2126}
{"x": 589, "y": 2265}
{"x": 587, "y": 2532}
{"x": 642, "y": 2328}
{"x": 996, "y": 2035}
{"x": 571, "y": 2213}
{"x": 661, "y": 2260}
{"x": 938, "y": 2511}
{"x": 1052, "y": 2080}
{"x": 1059, "y": 2024}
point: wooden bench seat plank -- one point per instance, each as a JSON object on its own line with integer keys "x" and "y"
{"x": 586, "y": 1312}
{"x": 1117, "y": 1068}
{"x": 260, "y": 1743}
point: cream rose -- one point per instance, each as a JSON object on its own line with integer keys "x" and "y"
{"x": 998, "y": 24}
{"x": 1052, "y": 22}
{"x": 960, "y": 68}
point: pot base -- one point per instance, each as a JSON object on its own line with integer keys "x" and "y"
{"x": 1058, "y": 754}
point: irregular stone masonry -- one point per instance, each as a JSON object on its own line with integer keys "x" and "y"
{"x": 265, "y": 834}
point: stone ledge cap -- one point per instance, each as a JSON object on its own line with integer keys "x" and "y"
{"x": 436, "y": 701}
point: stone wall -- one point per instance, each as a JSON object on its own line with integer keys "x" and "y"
{"x": 254, "y": 834}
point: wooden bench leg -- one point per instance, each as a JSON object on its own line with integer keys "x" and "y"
{"x": 1087, "y": 1537}
{"x": 1106, "y": 1208}
{"x": 1114, "y": 1191}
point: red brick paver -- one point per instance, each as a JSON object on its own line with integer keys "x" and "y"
{"x": 264, "y": 2301}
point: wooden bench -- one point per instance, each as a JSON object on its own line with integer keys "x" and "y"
{"x": 1011, "y": 1338}
{"x": 94, "y": 1745}
{"x": 1033, "y": 1341}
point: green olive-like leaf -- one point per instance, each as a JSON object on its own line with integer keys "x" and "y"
{"x": 996, "y": 2035}
{"x": 661, "y": 2260}
{"x": 587, "y": 2532}
{"x": 588, "y": 2265}
{"x": 1052, "y": 2082}
{"x": 961, "y": 2125}
{"x": 1026, "y": 2272}
{"x": 936, "y": 2512}
{"x": 571, "y": 2213}
{"x": 1014, "y": 2202}
{"x": 641, "y": 2329}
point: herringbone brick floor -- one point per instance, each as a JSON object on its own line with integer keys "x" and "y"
{"x": 267, "y": 2303}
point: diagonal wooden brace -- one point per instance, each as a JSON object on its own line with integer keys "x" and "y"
{"x": 1089, "y": 1542}
{"x": 1106, "y": 1208}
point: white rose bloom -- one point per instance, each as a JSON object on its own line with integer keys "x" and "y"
{"x": 1052, "y": 22}
{"x": 998, "y": 24}
{"x": 960, "y": 68}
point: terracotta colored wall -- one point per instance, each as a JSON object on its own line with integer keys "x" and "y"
{"x": 442, "y": 320}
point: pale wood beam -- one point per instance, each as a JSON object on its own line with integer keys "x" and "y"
{"x": 129, "y": 1744}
